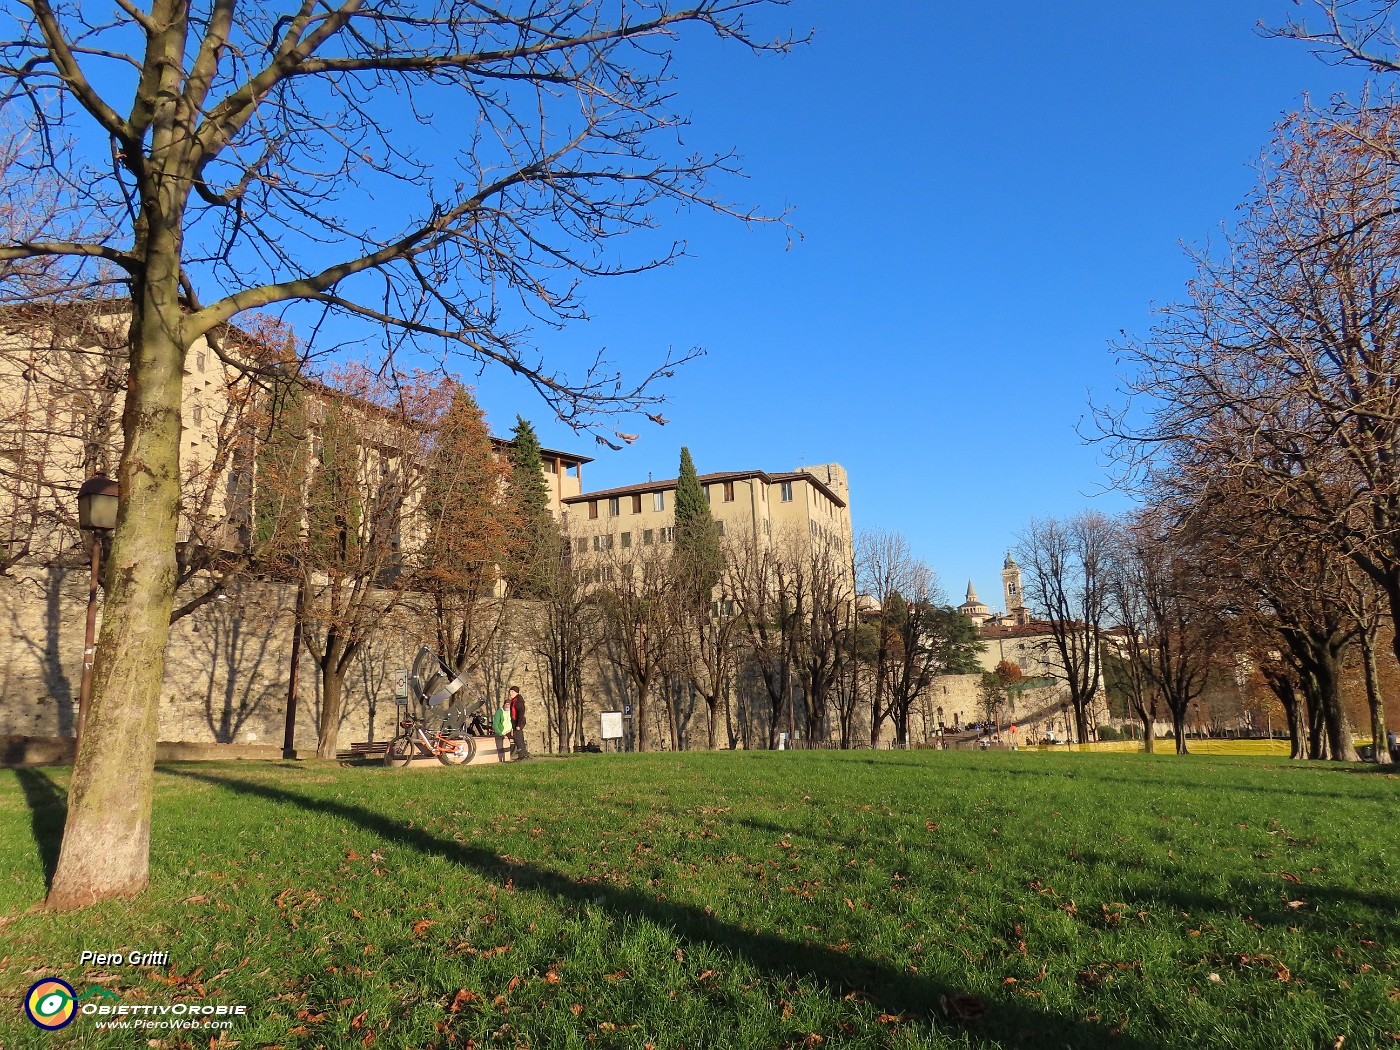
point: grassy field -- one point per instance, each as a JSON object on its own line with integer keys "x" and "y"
{"x": 769, "y": 900}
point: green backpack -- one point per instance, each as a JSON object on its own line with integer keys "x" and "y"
{"x": 500, "y": 722}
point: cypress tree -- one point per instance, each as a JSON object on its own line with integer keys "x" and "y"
{"x": 697, "y": 534}
{"x": 537, "y": 538}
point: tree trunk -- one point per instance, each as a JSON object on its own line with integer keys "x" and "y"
{"x": 1179, "y": 729}
{"x": 336, "y": 659}
{"x": 639, "y": 718}
{"x": 106, "y": 838}
{"x": 1341, "y": 742}
{"x": 1373, "y": 700}
{"x": 1149, "y": 733}
{"x": 1282, "y": 687}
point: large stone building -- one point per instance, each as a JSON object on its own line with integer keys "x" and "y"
{"x": 753, "y": 506}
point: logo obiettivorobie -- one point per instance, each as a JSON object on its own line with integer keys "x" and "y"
{"x": 51, "y": 1003}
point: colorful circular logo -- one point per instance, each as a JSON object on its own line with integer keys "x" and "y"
{"x": 50, "y": 1003}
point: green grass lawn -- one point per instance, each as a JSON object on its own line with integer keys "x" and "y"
{"x": 768, "y": 900}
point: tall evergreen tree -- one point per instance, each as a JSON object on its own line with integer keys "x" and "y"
{"x": 537, "y": 540}
{"x": 697, "y": 534}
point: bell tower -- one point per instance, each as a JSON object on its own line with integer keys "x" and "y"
{"x": 1012, "y": 592}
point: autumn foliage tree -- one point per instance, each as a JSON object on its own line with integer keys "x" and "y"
{"x": 465, "y": 523}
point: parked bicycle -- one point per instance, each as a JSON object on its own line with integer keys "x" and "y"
{"x": 448, "y": 746}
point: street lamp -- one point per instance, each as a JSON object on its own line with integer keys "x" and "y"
{"x": 97, "y": 516}
{"x": 1064, "y": 713}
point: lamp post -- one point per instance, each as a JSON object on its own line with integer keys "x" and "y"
{"x": 1064, "y": 713}
{"x": 97, "y": 516}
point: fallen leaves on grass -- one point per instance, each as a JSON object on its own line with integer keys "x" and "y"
{"x": 461, "y": 999}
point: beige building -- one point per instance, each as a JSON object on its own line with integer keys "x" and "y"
{"x": 748, "y": 505}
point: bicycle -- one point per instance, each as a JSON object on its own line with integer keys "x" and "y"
{"x": 443, "y": 744}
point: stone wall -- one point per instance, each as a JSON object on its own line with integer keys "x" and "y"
{"x": 227, "y": 671}
{"x": 226, "y": 674}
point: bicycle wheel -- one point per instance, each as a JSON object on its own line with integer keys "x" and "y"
{"x": 399, "y": 752}
{"x": 457, "y": 752}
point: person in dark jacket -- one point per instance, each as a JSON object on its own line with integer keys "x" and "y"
{"x": 517, "y": 722}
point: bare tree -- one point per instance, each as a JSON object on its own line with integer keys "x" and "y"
{"x": 1276, "y": 380}
{"x": 1183, "y": 625}
{"x": 564, "y": 628}
{"x": 1068, "y": 573}
{"x": 231, "y": 161}
{"x": 636, "y": 591}
{"x": 758, "y": 577}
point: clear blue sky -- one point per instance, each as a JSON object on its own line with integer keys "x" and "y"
{"x": 986, "y": 195}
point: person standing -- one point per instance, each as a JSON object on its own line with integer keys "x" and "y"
{"x": 517, "y": 724}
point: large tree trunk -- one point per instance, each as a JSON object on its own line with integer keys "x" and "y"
{"x": 1341, "y": 743}
{"x": 106, "y": 839}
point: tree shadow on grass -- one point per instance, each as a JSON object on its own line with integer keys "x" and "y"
{"x": 48, "y": 810}
{"x": 889, "y": 990}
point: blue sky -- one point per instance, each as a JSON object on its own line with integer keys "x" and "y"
{"x": 985, "y": 196}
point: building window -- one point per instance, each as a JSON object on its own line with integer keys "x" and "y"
{"x": 614, "y": 507}
{"x": 668, "y": 534}
{"x": 719, "y": 527}
{"x": 648, "y": 537}
{"x": 785, "y": 491}
{"x": 607, "y": 574}
{"x": 637, "y": 503}
{"x": 707, "y": 492}
{"x": 729, "y": 492}
{"x": 626, "y": 540}
{"x": 602, "y": 543}
{"x": 199, "y": 361}
{"x": 592, "y": 508}
{"x": 658, "y": 501}
{"x": 583, "y": 544}
{"x": 767, "y": 529}
{"x": 197, "y": 414}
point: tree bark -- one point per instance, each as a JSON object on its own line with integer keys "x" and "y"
{"x": 106, "y": 838}
{"x": 333, "y": 663}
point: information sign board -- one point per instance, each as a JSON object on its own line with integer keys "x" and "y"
{"x": 612, "y": 725}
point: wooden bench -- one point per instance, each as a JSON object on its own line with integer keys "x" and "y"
{"x": 364, "y": 749}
